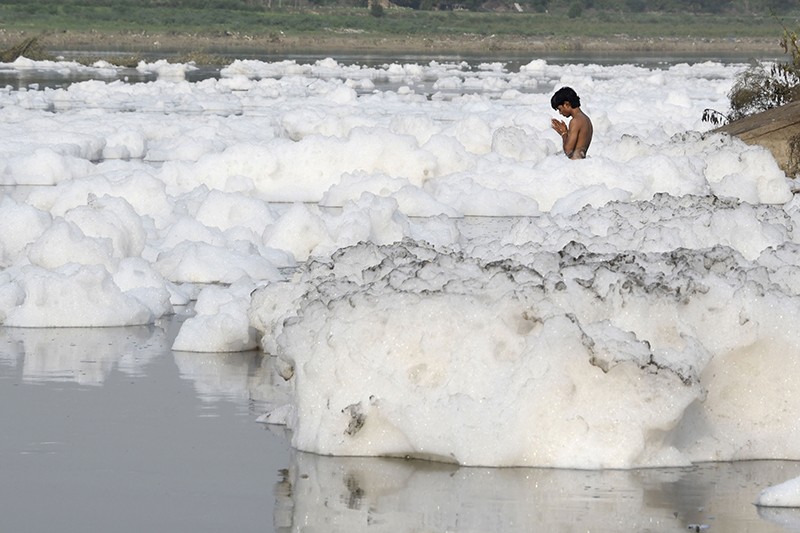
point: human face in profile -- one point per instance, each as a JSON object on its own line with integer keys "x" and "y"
{"x": 565, "y": 109}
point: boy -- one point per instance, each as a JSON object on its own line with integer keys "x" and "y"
{"x": 576, "y": 137}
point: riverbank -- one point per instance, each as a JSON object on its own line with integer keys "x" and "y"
{"x": 171, "y": 44}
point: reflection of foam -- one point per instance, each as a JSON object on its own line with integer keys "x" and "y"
{"x": 12, "y": 349}
{"x": 346, "y": 494}
{"x": 220, "y": 375}
{"x": 784, "y": 516}
{"x": 83, "y": 355}
{"x": 240, "y": 377}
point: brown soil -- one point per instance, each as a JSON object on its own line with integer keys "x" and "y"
{"x": 170, "y": 44}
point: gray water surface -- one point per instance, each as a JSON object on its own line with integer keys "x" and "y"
{"x": 110, "y": 430}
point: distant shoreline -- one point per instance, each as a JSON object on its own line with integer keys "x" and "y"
{"x": 183, "y": 43}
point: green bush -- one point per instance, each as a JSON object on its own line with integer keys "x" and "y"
{"x": 376, "y": 9}
{"x": 575, "y": 10}
{"x": 763, "y": 86}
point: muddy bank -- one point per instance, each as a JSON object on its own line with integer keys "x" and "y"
{"x": 777, "y": 130}
{"x": 183, "y": 43}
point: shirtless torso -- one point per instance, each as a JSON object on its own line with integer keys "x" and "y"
{"x": 576, "y": 137}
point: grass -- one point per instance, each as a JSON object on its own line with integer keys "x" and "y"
{"x": 54, "y": 16}
{"x": 179, "y": 32}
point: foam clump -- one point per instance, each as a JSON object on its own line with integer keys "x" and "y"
{"x": 220, "y": 322}
{"x": 786, "y": 494}
{"x": 395, "y": 349}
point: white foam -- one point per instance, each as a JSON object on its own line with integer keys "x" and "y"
{"x": 786, "y": 494}
{"x": 220, "y": 323}
{"x": 435, "y": 277}
{"x": 618, "y": 354}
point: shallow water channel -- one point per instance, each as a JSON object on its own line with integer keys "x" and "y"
{"x": 35, "y": 79}
{"x": 110, "y": 430}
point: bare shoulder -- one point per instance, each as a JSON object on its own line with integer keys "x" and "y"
{"x": 582, "y": 119}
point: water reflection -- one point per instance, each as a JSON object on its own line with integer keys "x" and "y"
{"x": 312, "y": 493}
{"x": 88, "y": 356}
{"x": 99, "y": 432}
{"x": 222, "y": 376}
{"x": 785, "y": 517}
{"x": 81, "y": 355}
{"x": 325, "y": 494}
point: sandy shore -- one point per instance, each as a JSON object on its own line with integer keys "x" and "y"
{"x": 177, "y": 43}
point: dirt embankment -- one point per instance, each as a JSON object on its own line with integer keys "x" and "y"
{"x": 363, "y": 42}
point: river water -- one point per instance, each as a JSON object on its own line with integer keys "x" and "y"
{"x": 53, "y": 79}
{"x": 110, "y": 430}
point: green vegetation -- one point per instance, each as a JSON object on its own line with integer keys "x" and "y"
{"x": 745, "y": 7}
{"x": 763, "y": 86}
{"x": 586, "y": 18}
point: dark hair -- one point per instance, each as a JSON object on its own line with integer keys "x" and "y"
{"x": 565, "y": 94}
